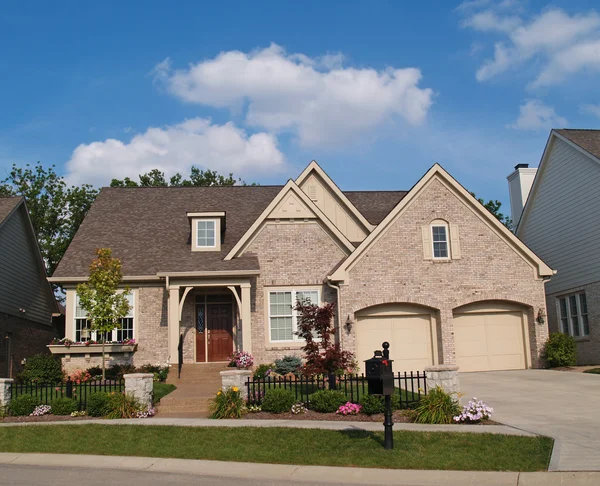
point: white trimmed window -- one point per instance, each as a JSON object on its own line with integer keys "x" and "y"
{"x": 283, "y": 319}
{"x": 573, "y": 313}
{"x": 206, "y": 233}
{"x": 439, "y": 240}
{"x": 82, "y": 328}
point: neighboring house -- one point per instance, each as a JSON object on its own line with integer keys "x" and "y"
{"x": 561, "y": 223}
{"x": 429, "y": 270}
{"x": 27, "y": 303}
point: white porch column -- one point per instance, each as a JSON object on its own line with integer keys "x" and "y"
{"x": 246, "y": 319}
{"x": 173, "y": 317}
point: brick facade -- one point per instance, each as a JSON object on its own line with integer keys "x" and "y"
{"x": 26, "y": 339}
{"x": 588, "y": 348}
{"x": 395, "y": 271}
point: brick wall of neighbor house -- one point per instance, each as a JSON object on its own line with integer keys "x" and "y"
{"x": 27, "y": 338}
{"x": 394, "y": 270}
{"x": 289, "y": 255}
{"x": 588, "y": 348}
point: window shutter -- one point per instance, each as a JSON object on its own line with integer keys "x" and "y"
{"x": 454, "y": 242}
{"x": 427, "y": 251}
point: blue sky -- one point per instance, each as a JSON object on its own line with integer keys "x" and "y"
{"x": 376, "y": 92}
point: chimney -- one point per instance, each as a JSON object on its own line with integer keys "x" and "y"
{"x": 519, "y": 185}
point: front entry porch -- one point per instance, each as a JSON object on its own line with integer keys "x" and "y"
{"x": 214, "y": 327}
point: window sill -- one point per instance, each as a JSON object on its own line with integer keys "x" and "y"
{"x": 91, "y": 349}
{"x": 284, "y": 346}
{"x": 582, "y": 339}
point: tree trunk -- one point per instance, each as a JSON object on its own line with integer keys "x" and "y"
{"x": 103, "y": 362}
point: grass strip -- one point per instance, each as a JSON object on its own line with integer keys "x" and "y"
{"x": 413, "y": 450}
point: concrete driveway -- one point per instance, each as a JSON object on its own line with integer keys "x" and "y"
{"x": 559, "y": 404}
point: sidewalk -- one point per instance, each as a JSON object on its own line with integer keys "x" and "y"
{"x": 299, "y": 424}
{"x": 318, "y": 474}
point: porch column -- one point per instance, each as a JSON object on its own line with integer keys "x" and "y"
{"x": 173, "y": 317}
{"x": 245, "y": 315}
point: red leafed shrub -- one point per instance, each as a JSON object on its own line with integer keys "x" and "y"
{"x": 322, "y": 354}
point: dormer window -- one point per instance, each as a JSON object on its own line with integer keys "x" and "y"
{"x": 206, "y": 230}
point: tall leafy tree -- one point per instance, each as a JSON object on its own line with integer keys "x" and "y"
{"x": 56, "y": 209}
{"x": 493, "y": 206}
{"x": 99, "y": 297}
{"x": 197, "y": 177}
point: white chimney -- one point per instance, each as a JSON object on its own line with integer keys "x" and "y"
{"x": 519, "y": 185}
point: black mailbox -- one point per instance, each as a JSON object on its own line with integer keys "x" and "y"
{"x": 380, "y": 376}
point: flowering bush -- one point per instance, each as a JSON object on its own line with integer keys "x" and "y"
{"x": 228, "y": 404}
{"x": 241, "y": 360}
{"x": 254, "y": 408}
{"x": 299, "y": 408}
{"x": 79, "y": 413}
{"x": 349, "y": 409}
{"x": 129, "y": 342}
{"x": 474, "y": 411}
{"x": 41, "y": 410}
{"x": 145, "y": 412}
{"x": 81, "y": 376}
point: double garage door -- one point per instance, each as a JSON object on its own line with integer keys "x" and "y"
{"x": 486, "y": 336}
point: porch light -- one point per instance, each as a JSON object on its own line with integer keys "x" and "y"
{"x": 541, "y": 316}
{"x": 349, "y": 323}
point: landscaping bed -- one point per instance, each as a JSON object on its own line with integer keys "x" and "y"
{"x": 44, "y": 418}
{"x": 355, "y": 448}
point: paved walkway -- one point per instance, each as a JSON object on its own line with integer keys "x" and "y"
{"x": 273, "y": 473}
{"x": 298, "y": 424}
{"x": 558, "y": 404}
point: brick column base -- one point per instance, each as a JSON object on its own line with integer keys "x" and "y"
{"x": 444, "y": 376}
{"x": 5, "y": 391}
{"x": 238, "y": 378}
{"x": 140, "y": 385}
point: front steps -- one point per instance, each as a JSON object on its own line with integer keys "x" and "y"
{"x": 198, "y": 384}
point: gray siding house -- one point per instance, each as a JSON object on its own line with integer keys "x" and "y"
{"x": 27, "y": 303}
{"x": 561, "y": 224}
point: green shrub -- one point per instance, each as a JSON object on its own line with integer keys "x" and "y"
{"x": 437, "y": 407}
{"x": 278, "y": 400}
{"x": 228, "y": 404}
{"x": 22, "y": 405}
{"x": 122, "y": 405}
{"x": 42, "y": 368}
{"x": 327, "y": 401}
{"x": 98, "y": 405}
{"x": 64, "y": 406}
{"x": 116, "y": 372}
{"x": 560, "y": 350}
{"x": 160, "y": 372}
{"x": 371, "y": 404}
{"x": 95, "y": 371}
{"x": 261, "y": 370}
{"x": 288, "y": 364}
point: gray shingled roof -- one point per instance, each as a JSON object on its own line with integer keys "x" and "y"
{"x": 7, "y": 204}
{"x": 588, "y": 140}
{"x": 375, "y": 205}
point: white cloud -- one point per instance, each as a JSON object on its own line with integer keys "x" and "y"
{"x": 591, "y": 110}
{"x": 316, "y": 99}
{"x": 534, "y": 115}
{"x": 561, "y": 44}
{"x": 224, "y": 148}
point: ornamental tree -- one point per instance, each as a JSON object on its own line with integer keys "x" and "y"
{"x": 322, "y": 354}
{"x": 105, "y": 306}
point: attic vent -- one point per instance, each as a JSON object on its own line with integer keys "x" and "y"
{"x": 312, "y": 192}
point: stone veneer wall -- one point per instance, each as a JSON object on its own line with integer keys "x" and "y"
{"x": 28, "y": 338}
{"x": 394, "y": 270}
{"x": 588, "y": 348}
{"x": 290, "y": 254}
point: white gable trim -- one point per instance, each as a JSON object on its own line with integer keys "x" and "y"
{"x": 541, "y": 168}
{"x": 314, "y": 166}
{"x": 542, "y": 270}
{"x": 290, "y": 186}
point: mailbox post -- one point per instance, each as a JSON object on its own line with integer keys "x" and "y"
{"x": 380, "y": 379}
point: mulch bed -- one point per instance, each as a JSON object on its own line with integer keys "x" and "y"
{"x": 399, "y": 416}
{"x": 43, "y": 418}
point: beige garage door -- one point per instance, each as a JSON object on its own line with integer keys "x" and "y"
{"x": 410, "y": 338}
{"x": 487, "y": 341}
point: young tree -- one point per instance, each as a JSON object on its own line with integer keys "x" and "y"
{"x": 105, "y": 306}
{"x": 56, "y": 210}
{"x": 323, "y": 355}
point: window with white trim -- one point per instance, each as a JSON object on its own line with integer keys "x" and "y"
{"x": 573, "y": 313}
{"x": 84, "y": 333}
{"x": 439, "y": 240}
{"x": 283, "y": 319}
{"x": 206, "y": 233}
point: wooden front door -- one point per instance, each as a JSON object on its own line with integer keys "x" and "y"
{"x": 219, "y": 326}
{"x": 200, "y": 333}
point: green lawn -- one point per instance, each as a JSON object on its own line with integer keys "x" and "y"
{"x": 595, "y": 371}
{"x": 414, "y": 450}
{"x": 161, "y": 390}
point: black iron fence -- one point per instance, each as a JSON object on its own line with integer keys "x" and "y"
{"x": 46, "y": 393}
{"x": 409, "y": 387}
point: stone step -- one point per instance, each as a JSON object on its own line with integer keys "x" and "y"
{"x": 197, "y": 374}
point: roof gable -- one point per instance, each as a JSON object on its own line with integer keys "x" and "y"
{"x": 8, "y": 205}
{"x": 439, "y": 173}
{"x": 290, "y": 203}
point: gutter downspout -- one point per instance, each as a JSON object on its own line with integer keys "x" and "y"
{"x": 339, "y": 306}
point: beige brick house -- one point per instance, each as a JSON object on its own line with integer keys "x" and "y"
{"x": 429, "y": 270}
